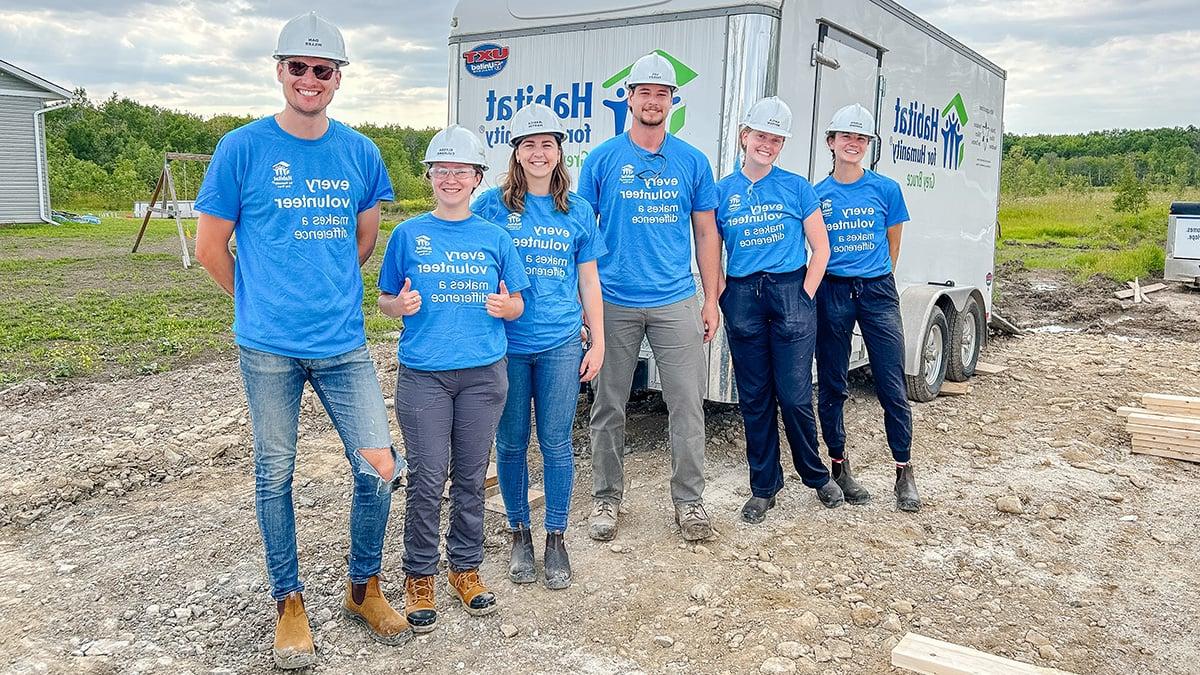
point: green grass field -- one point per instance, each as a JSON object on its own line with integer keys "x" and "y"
{"x": 74, "y": 302}
{"x": 1080, "y": 233}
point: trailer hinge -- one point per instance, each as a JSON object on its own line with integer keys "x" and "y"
{"x": 818, "y": 58}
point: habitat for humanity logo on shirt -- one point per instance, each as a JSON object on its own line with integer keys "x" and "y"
{"x": 283, "y": 175}
{"x": 423, "y": 245}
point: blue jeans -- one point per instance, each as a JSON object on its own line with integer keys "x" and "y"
{"x": 875, "y": 305}
{"x": 551, "y": 380}
{"x": 771, "y": 324}
{"x": 349, "y": 389}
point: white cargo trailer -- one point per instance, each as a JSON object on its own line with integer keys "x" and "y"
{"x": 938, "y": 104}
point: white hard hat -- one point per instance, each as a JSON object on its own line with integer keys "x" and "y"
{"x": 770, "y": 115}
{"x": 853, "y": 119}
{"x": 652, "y": 68}
{"x": 311, "y": 35}
{"x": 535, "y": 118}
{"x": 456, "y": 144}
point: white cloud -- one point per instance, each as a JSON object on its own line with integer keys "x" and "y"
{"x": 1072, "y": 66}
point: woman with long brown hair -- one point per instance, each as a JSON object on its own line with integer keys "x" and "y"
{"x": 556, "y": 237}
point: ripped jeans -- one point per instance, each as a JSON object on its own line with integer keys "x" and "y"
{"x": 349, "y": 389}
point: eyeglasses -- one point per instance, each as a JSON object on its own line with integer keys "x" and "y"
{"x": 321, "y": 72}
{"x": 461, "y": 173}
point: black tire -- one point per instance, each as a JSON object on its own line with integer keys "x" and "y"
{"x": 935, "y": 356}
{"x": 966, "y": 341}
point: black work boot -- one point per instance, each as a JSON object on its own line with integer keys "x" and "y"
{"x": 906, "y": 489}
{"x": 831, "y": 495}
{"x": 558, "y": 565}
{"x": 520, "y": 565}
{"x": 755, "y": 510}
{"x": 854, "y": 492}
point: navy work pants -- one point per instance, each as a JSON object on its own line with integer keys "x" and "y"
{"x": 875, "y": 305}
{"x": 771, "y": 325}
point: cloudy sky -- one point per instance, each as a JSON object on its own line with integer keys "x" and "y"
{"x": 1072, "y": 65}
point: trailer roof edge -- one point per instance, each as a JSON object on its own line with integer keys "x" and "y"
{"x": 908, "y": 15}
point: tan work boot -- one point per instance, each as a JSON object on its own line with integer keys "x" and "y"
{"x": 475, "y": 597}
{"x": 293, "y": 639}
{"x": 365, "y": 604}
{"x": 602, "y": 521}
{"x": 693, "y": 521}
{"x": 419, "y": 608}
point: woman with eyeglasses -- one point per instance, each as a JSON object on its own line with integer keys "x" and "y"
{"x": 556, "y": 237}
{"x": 456, "y": 280}
{"x": 766, "y": 215}
{"x": 866, "y": 213}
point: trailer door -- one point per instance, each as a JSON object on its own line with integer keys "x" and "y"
{"x": 847, "y": 72}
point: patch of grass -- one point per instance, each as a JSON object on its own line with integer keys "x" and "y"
{"x": 75, "y": 303}
{"x": 1080, "y": 233}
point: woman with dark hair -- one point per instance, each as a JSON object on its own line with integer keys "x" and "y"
{"x": 555, "y": 234}
{"x": 865, "y": 216}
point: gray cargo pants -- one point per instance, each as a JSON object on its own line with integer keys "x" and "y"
{"x": 676, "y": 336}
{"x": 448, "y": 419}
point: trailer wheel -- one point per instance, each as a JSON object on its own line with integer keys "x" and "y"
{"x": 935, "y": 355}
{"x": 966, "y": 340}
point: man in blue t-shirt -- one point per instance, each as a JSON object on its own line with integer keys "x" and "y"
{"x": 301, "y": 192}
{"x": 654, "y": 194}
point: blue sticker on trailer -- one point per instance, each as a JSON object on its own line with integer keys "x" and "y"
{"x": 485, "y": 60}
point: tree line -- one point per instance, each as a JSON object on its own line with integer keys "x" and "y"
{"x": 109, "y": 154}
{"x": 1164, "y": 158}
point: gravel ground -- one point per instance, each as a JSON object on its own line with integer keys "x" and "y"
{"x": 128, "y": 540}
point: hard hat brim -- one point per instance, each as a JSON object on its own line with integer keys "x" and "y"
{"x": 834, "y": 130}
{"x": 516, "y": 140}
{"x": 328, "y": 56}
{"x": 430, "y": 162}
{"x": 768, "y": 130}
{"x": 630, "y": 85}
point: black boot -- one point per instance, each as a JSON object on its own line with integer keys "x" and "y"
{"x": 830, "y": 494}
{"x": 558, "y": 565}
{"x": 855, "y": 493}
{"x": 906, "y": 489}
{"x": 755, "y": 510}
{"x": 520, "y": 565}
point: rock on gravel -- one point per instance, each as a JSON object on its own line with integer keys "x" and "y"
{"x": 777, "y": 665}
{"x": 1009, "y": 504}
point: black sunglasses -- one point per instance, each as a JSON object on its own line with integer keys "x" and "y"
{"x": 298, "y": 69}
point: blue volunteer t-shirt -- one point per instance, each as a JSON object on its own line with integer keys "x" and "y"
{"x": 762, "y": 223}
{"x": 645, "y": 202}
{"x": 455, "y": 265}
{"x": 551, "y": 245}
{"x": 297, "y": 288}
{"x": 858, "y": 216}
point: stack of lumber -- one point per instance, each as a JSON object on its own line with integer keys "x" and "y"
{"x": 1166, "y": 426}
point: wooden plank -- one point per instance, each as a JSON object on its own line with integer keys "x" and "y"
{"x": 1126, "y": 411}
{"x": 1147, "y": 448}
{"x": 954, "y": 388}
{"x": 492, "y": 477}
{"x": 495, "y": 504}
{"x": 1137, "y": 290}
{"x": 1168, "y": 421}
{"x": 1166, "y": 432}
{"x": 1172, "y": 444}
{"x": 1169, "y": 403}
{"x": 934, "y": 657}
{"x": 982, "y": 368}
{"x": 1128, "y": 293}
{"x": 162, "y": 180}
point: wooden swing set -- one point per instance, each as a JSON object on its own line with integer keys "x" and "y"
{"x": 166, "y": 188}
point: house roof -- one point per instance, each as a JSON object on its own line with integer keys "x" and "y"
{"x": 45, "y": 85}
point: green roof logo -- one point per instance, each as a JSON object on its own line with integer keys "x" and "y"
{"x": 683, "y": 74}
{"x": 953, "y": 139}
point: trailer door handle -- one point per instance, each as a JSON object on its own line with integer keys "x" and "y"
{"x": 818, "y": 58}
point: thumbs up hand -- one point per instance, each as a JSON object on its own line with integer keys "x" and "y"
{"x": 499, "y": 303}
{"x": 409, "y": 301}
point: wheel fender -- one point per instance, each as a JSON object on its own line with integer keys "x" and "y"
{"x": 916, "y": 303}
